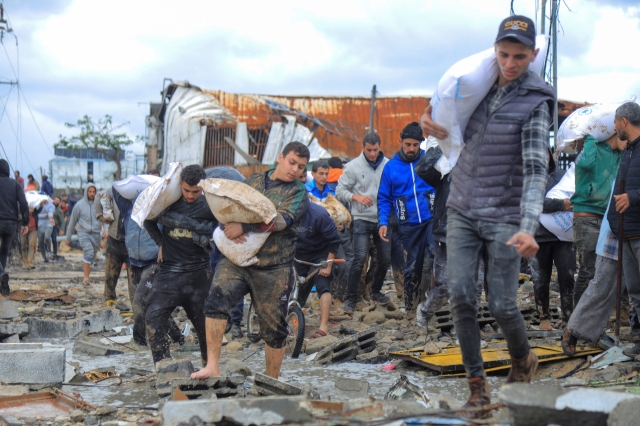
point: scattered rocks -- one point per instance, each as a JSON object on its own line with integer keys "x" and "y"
{"x": 76, "y": 416}
{"x": 94, "y": 349}
{"x": 267, "y": 386}
{"x": 316, "y": 345}
{"x": 170, "y": 369}
{"x": 105, "y": 410}
{"x": 234, "y": 366}
{"x": 352, "y": 388}
{"x": 374, "y": 318}
{"x": 431, "y": 348}
{"x": 234, "y": 346}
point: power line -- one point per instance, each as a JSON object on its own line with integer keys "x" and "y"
{"x": 14, "y": 132}
{"x": 34, "y": 119}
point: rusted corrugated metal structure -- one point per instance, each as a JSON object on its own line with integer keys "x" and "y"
{"x": 335, "y": 124}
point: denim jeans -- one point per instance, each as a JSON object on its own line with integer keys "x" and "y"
{"x": 44, "y": 240}
{"x": 631, "y": 267}
{"x": 466, "y": 239}
{"x": 563, "y": 254}
{"x": 414, "y": 241}
{"x": 362, "y": 230}
{"x": 7, "y": 231}
{"x": 585, "y": 234}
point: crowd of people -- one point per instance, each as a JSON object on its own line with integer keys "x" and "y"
{"x": 468, "y": 228}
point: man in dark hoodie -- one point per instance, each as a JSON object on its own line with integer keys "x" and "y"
{"x": 184, "y": 274}
{"x": 553, "y": 250}
{"x": 410, "y": 197}
{"x": 13, "y": 205}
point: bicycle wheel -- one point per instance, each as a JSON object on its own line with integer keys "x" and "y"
{"x": 296, "y": 324}
{"x": 253, "y": 328}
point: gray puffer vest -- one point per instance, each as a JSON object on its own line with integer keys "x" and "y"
{"x": 486, "y": 183}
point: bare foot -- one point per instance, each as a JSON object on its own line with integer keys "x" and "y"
{"x": 206, "y": 372}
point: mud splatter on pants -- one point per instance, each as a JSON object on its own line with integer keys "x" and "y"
{"x": 142, "y": 278}
{"x": 269, "y": 289}
{"x": 171, "y": 289}
{"x": 415, "y": 239}
{"x": 116, "y": 255}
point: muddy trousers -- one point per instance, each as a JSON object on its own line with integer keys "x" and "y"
{"x": 439, "y": 293}
{"x": 345, "y": 251}
{"x": 142, "y": 278}
{"x": 397, "y": 264}
{"x": 54, "y": 241}
{"x": 116, "y": 255}
{"x": 44, "y": 240}
{"x": 7, "y": 231}
{"x": 170, "y": 290}
{"x": 631, "y": 266}
{"x": 29, "y": 243}
{"x": 237, "y": 313}
{"x": 415, "y": 239}
{"x": 586, "y": 231}
{"x": 563, "y": 254}
{"x": 466, "y": 240}
{"x": 362, "y": 230}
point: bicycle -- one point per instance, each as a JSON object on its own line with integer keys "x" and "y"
{"x": 295, "y": 317}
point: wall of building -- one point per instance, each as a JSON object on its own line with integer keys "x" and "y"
{"x": 69, "y": 175}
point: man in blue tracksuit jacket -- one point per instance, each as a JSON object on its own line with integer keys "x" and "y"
{"x": 412, "y": 198}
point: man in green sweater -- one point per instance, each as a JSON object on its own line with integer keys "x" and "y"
{"x": 596, "y": 169}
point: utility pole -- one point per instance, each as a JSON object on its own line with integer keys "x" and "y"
{"x": 543, "y": 21}
{"x": 554, "y": 20}
{"x": 373, "y": 109}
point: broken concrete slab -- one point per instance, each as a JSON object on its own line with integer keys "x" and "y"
{"x": 211, "y": 388}
{"x": 542, "y": 404}
{"x": 9, "y": 309}
{"x": 6, "y": 330}
{"x": 234, "y": 366}
{"x": 316, "y": 345}
{"x": 626, "y": 413}
{"x": 94, "y": 349}
{"x": 267, "y": 386}
{"x": 13, "y": 390}
{"x": 23, "y": 346}
{"x": 103, "y": 320}
{"x": 352, "y": 388}
{"x": 270, "y": 411}
{"x": 32, "y": 366}
{"x": 348, "y": 348}
{"x": 170, "y": 369}
{"x": 14, "y": 338}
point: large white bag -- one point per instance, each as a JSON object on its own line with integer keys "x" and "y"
{"x": 34, "y": 198}
{"x": 561, "y": 223}
{"x": 595, "y": 120}
{"x": 133, "y": 185}
{"x": 243, "y": 254}
{"x": 232, "y": 201}
{"x": 157, "y": 197}
{"x": 335, "y": 208}
{"x": 461, "y": 90}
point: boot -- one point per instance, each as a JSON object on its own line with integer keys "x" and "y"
{"x": 523, "y": 369}
{"x": 480, "y": 396}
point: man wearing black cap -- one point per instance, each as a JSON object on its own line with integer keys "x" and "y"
{"x": 410, "y": 197}
{"x": 497, "y": 192}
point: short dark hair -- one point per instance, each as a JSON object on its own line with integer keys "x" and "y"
{"x": 54, "y": 198}
{"x": 298, "y": 148}
{"x": 335, "y": 162}
{"x": 153, "y": 171}
{"x": 192, "y": 175}
{"x": 630, "y": 111}
{"x": 17, "y": 171}
{"x": 30, "y": 176}
{"x": 319, "y": 165}
{"x": 371, "y": 139}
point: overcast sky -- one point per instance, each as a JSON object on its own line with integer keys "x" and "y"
{"x": 100, "y": 57}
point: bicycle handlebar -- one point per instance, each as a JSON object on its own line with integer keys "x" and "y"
{"x": 302, "y": 262}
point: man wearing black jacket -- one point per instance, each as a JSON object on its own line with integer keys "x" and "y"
{"x": 11, "y": 197}
{"x": 553, "y": 250}
{"x": 627, "y": 122}
{"x": 184, "y": 274}
{"x": 318, "y": 240}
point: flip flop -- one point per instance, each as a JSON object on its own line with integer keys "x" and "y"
{"x": 86, "y": 283}
{"x": 319, "y": 333}
{"x": 545, "y": 324}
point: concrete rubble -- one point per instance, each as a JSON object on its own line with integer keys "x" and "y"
{"x": 65, "y": 328}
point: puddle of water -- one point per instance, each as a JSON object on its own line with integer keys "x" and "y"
{"x": 48, "y": 408}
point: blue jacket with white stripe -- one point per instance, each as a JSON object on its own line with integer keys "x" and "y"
{"x": 402, "y": 189}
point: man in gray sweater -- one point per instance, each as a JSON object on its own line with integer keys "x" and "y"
{"x": 359, "y": 186}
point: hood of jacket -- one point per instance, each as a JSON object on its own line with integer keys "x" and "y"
{"x": 4, "y": 168}
{"x": 85, "y": 196}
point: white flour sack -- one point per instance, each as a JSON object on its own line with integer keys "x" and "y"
{"x": 232, "y": 201}
{"x": 34, "y": 198}
{"x": 335, "y": 208}
{"x": 133, "y": 185}
{"x": 242, "y": 254}
{"x": 561, "y": 223}
{"x": 595, "y": 120}
{"x": 157, "y": 197}
{"x": 461, "y": 90}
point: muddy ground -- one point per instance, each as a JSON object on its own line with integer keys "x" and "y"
{"x": 135, "y": 399}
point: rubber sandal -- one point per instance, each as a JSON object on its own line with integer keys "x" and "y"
{"x": 86, "y": 283}
{"x": 319, "y": 333}
{"x": 545, "y": 324}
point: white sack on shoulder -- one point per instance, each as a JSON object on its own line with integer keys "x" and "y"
{"x": 462, "y": 88}
{"x": 232, "y": 201}
{"x": 335, "y": 208}
{"x": 133, "y": 185}
{"x": 157, "y": 197}
{"x": 561, "y": 223}
{"x": 594, "y": 120}
{"x": 243, "y": 254}
{"x": 34, "y": 198}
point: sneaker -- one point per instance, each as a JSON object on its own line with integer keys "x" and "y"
{"x": 349, "y": 307}
{"x": 4, "y": 285}
{"x": 380, "y": 298}
{"x": 632, "y": 352}
{"x": 236, "y": 332}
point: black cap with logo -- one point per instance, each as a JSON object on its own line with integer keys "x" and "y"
{"x": 520, "y": 28}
